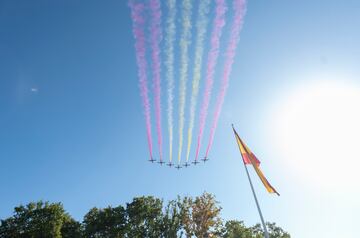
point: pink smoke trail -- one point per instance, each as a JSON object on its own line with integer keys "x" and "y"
{"x": 137, "y": 11}
{"x": 239, "y": 7}
{"x": 155, "y": 39}
{"x": 213, "y": 54}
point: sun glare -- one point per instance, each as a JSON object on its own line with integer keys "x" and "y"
{"x": 317, "y": 132}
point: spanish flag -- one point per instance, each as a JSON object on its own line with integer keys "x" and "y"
{"x": 250, "y": 158}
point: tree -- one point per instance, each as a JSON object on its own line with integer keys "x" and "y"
{"x": 201, "y": 217}
{"x": 274, "y": 231}
{"x": 145, "y": 217}
{"x": 236, "y": 229}
{"x": 71, "y": 228}
{"x": 108, "y": 222}
{"x": 171, "y": 221}
{"x": 186, "y": 216}
{"x": 35, "y": 220}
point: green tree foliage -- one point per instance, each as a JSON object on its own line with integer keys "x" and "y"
{"x": 108, "y": 222}
{"x": 172, "y": 223}
{"x": 274, "y": 231}
{"x": 39, "y": 219}
{"x": 236, "y": 229}
{"x": 71, "y": 228}
{"x": 144, "y": 217}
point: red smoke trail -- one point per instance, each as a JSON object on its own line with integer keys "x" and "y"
{"x": 155, "y": 39}
{"x": 219, "y": 23}
{"x": 239, "y": 7}
{"x": 137, "y": 11}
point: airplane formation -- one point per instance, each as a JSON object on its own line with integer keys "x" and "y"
{"x": 179, "y": 166}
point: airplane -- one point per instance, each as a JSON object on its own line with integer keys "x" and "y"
{"x": 161, "y": 162}
{"x": 186, "y": 165}
{"x": 195, "y": 162}
{"x": 178, "y": 167}
{"x": 170, "y": 164}
{"x": 152, "y": 160}
{"x": 205, "y": 159}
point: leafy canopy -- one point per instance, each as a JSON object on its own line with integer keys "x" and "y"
{"x": 143, "y": 217}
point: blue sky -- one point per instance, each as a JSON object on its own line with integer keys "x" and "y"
{"x": 72, "y": 127}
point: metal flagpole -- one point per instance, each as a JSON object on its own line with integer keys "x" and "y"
{"x": 257, "y": 203}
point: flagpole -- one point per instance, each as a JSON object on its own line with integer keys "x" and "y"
{"x": 257, "y": 203}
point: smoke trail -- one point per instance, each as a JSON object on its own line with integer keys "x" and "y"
{"x": 213, "y": 54}
{"x": 184, "y": 51}
{"x": 155, "y": 39}
{"x": 169, "y": 64}
{"x": 239, "y": 7}
{"x": 201, "y": 27}
{"x": 137, "y": 11}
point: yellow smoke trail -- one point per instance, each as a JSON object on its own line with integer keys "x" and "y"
{"x": 170, "y": 35}
{"x": 201, "y": 27}
{"x": 184, "y": 51}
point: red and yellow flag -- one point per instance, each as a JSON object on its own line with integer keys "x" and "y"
{"x": 250, "y": 158}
